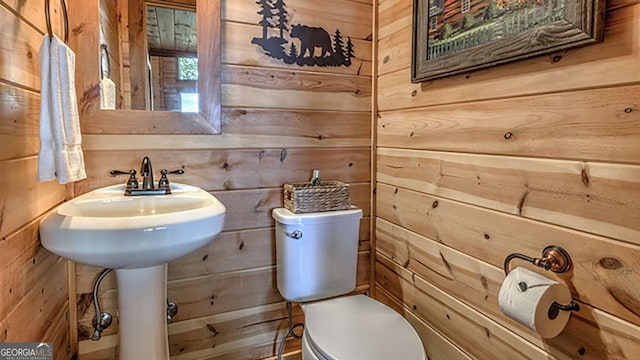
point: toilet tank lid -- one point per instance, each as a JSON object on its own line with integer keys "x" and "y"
{"x": 285, "y": 216}
{"x": 360, "y": 328}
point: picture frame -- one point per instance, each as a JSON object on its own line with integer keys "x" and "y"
{"x": 458, "y": 36}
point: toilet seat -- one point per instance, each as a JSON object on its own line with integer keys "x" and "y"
{"x": 359, "y": 328}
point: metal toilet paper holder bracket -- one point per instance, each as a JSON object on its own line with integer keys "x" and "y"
{"x": 555, "y": 308}
{"x": 553, "y": 258}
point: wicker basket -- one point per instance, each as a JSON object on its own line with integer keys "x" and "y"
{"x": 328, "y": 196}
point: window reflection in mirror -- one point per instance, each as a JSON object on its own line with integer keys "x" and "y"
{"x": 158, "y": 71}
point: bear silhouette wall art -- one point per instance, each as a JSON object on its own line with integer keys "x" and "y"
{"x": 316, "y": 46}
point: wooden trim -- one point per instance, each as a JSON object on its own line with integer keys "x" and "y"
{"x": 374, "y": 142}
{"x": 138, "y": 55}
{"x": 73, "y": 308}
{"x": 209, "y": 61}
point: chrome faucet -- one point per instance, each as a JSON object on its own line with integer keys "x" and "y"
{"x": 146, "y": 171}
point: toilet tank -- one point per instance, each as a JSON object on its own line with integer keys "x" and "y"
{"x": 316, "y": 253}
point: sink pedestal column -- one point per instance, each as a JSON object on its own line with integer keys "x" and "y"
{"x": 142, "y": 304}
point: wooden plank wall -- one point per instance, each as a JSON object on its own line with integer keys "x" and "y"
{"x": 279, "y": 123}
{"x": 513, "y": 158}
{"x": 34, "y": 300}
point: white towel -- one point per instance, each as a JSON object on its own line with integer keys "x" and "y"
{"x": 107, "y": 94}
{"x": 60, "y": 139}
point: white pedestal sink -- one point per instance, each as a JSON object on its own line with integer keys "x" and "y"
{"x": 137, "y": 236}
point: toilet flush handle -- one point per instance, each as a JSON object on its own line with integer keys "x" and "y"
{"x": 297, "y": 234}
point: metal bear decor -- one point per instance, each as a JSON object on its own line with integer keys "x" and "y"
{"x": 331, "y": 53}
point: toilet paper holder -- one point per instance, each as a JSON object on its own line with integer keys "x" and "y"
{"x": 553, "y": 258}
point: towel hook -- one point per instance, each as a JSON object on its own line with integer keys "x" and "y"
{"x": 104, "y": 52}
{"x": 553, "y": 258}
{"x": 47, "y": 16}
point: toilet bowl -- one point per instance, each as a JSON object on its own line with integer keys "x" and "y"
{"x": 316, "y": 256}
{"x": 357, "y": 328}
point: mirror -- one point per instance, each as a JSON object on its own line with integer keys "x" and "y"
{"x": 86, "y": 41}
{"x": 162, "y": 67}
{"x": 171, "y": 45}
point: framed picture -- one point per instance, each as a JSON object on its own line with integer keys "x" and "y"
{"x": 456, "y": 36}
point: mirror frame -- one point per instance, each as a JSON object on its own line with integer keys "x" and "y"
{"x": 85, "y": 42}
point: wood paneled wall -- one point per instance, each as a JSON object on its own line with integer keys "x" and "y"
{"x": 513, "y": 158}
{"x": 34, "y": 300}
{"x": 279, "y": 123}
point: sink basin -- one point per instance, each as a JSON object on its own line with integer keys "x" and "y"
{"x": 107, "y": 229}
{"x": 137, "y": 236}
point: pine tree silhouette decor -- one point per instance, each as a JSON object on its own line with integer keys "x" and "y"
{"x": 316, "y": 46}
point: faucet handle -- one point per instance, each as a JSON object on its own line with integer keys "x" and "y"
{"x": 163, "y": 183}
{"x": 119, "y": 172}
{"x": 132, "y": 183}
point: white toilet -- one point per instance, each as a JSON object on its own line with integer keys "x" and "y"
{"x": 317, "y": 255}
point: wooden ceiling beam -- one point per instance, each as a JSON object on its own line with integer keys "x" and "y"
{"x": 173, "y": 4}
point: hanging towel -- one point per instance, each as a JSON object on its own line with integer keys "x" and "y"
{"x": 60, "y": 139}
{"x": 107, "y": 94}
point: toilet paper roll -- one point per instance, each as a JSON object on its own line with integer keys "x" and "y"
{"x": 529, "y": 304}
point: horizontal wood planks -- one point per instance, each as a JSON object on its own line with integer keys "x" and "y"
{"x": 610, "y": 63}
{"x": 34, "y": 300}
{"x": 279, "y": 88}
{"x": 20, "y": 113}
{"x": 256, "y": 128}
{"x": 22, "y": 198}
{"x": 353, "y": 18}
{"x": 436, "y": 346}
{"x": 511, "y": 159}
{"x": 237, "y": 169}
{"x": 462, "y": 275}
{"x": 238, "y": 50}
{"x": 600, "y": 124}
{"x": 601, "y": 198}
{"x": 279, "y": 123}
{"x": 19, "y": 44}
